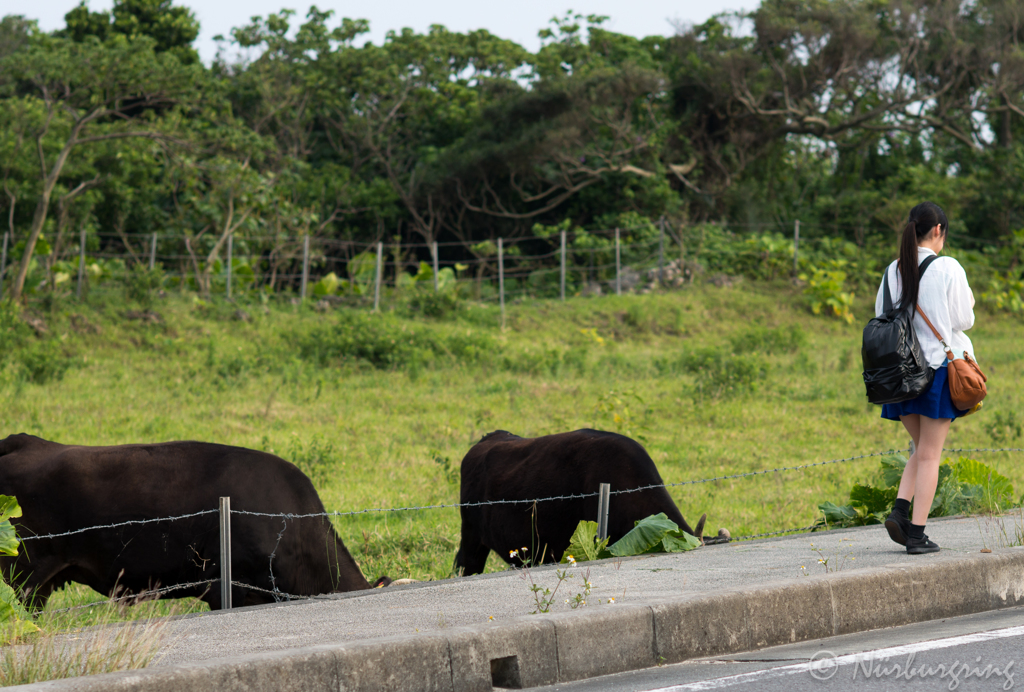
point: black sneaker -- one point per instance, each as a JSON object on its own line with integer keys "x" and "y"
{"x": 898, "y": 527}
{"x": 920, "y": 546}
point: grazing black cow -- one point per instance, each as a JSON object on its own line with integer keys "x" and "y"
{"x": 503, "y": 466}
{"x": 63, "y": 487}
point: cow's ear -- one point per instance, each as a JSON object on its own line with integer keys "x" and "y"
{"x": 382, "y": 582}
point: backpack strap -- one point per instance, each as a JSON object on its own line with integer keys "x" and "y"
{"x": 887, "y": 297}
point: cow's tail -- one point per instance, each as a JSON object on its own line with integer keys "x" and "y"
{"x": 12, "y": 443}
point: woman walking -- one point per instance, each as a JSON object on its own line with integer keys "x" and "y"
{"x": 944, "y": 296}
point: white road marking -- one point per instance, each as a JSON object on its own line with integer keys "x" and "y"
{"x": 849, "y": 659}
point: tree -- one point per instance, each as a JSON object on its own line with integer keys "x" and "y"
{"x": 78, "y": 94}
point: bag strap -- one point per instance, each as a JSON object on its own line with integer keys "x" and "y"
{"x": 935, "y": 331}
{"x": 887, "y": 297}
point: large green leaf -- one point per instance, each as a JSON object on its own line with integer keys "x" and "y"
{"x": 678, "y": 541}
{"x": 15, "y": 620}
{"x": 646, "y": 534}
{"x": 9, "y": 508}
{"x": 892, "y": 470}
{"x": 872, "y": 499}
{"x": 584, "y": 544}
{"x": 838, "y": 516}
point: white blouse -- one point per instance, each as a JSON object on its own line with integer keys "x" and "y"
{"x": 946, "y": 298}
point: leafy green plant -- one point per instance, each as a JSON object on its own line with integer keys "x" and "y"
{"x": 965, "y": 486}
{"x": 618, "y": 409}
{"x": 449, "y": 471}
{"x": 825, "y": 288}
{"x": 584, "y": 546}
{"x": 653, "y": 534}
{"x": 1005, "y": 292}
{"x": 15, "y": 620}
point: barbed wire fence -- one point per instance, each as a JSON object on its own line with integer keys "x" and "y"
{"x": 359, "y": 273}
{"x": 280, "y": 596}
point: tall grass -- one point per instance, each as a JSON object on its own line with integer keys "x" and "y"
{"x": 67, "y": 648}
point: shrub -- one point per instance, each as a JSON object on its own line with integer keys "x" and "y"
{"x": 719, "y": 373}
{"x": 381, "y": 341}
{"x": 769, "y": 341}
{"x": 44, "y": 361}
{"x": 140, "y": 282}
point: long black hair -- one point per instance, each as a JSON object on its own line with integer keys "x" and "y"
{"x": 923, "y": 218}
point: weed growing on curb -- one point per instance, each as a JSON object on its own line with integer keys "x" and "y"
{"x": 836, "y": 561}
{"x": 543, "y": 597}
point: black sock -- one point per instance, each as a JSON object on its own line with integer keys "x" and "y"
{"x": 901, "y": 507}
{"x": 915, "y": 531}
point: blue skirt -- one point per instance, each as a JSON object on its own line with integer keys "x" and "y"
{"x": 933, "y": 403}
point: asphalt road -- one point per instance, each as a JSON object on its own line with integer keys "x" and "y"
{"x": 974, "y": 652}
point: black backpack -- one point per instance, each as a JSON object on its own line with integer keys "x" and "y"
{"x": 895, "y": 369}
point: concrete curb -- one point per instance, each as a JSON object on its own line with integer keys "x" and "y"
{"x": 545, "y": 649}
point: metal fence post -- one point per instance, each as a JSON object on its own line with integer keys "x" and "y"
{"x": 152, "y": 254}
{"x": 501, "y": 281}
{"x": 661, "y": 251}
{"x": 305, "y": 265}
{"x": 618, "y": 265}
{"x": 796, "y": 244}
{"x": 81, "y": 261}
{"x": 602, "y": 510}
{"x": 225, "y": 553}
{"x": 3, "y": 263}
{"x": 376, "y": 279}
{"x": 433, "y": 253}
{"x": 231, "y": 246}
{"x": 562, "y": 280}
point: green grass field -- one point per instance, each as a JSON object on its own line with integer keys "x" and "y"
{"x": 714, "y": 381}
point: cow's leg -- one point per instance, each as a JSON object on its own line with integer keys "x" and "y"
{"x": 471, "y": 559}
{"x": 472, "y": 555}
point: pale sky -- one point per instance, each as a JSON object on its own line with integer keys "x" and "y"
{"x": 518, "y": 20}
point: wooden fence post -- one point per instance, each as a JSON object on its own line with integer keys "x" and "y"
{"x": 225, "y": 553}
{"x": 661, "y": 251}
{"x": 81, "y": 261}
{"x": 603, "y": 499}
{"x": 562, "y": 279}
{"x": 796, "y": 245}
{"x": 618, "y": 265}
{"x": 305, "y": 265}
{"x": 152, "y": 253}
{"x": 501, "y": 281}
{"x": 377, "y": 278}
{"x": 433, "y": 253}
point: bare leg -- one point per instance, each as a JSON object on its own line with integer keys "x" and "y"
{"x": 912, "y": 422}
{"x": 929, "y": 456}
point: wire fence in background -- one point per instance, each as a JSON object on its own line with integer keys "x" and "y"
{"x": 591, "y": 262}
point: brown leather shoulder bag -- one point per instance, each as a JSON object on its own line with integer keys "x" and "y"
{"x": 966, "y": 380}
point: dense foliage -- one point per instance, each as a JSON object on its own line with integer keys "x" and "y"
{"x": 839, "y": 113}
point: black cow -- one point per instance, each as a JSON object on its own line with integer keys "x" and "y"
{"x": 63, "y": 487}
{"x": 503, "y": 466}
